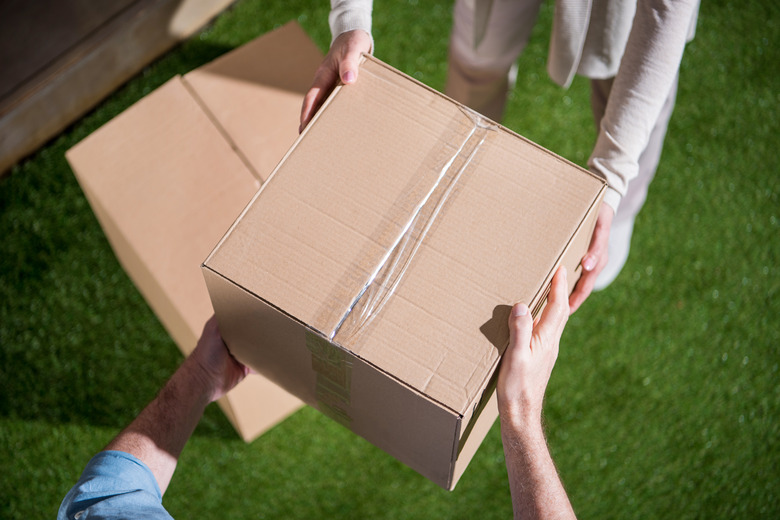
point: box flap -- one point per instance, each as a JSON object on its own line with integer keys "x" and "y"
{"x": 480, "y": 216}
{"x": 254, "y": 94}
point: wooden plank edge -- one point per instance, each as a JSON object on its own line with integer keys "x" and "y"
{"x": 86, "y": 75}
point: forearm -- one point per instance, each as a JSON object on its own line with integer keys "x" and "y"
{"x": 159, "y": 433}
{"x": 349, "y": 15}
{"x": 645, "y": 77}
{"x": 537, "y": 491}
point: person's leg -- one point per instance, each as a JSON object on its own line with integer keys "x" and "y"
{"x": 486, "y": 39}
{"x": 623, "y": 223}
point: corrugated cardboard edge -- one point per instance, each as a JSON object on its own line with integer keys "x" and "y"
{"x": 583, "y": 234}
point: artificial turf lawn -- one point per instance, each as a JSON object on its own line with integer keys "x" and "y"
{"x": 665, "y": 399}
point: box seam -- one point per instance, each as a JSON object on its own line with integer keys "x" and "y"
{"x": 221, "y": 129}
{"x": 259, "y": 192}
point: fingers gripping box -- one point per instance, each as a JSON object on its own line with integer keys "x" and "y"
{"x": 372, "y": 274}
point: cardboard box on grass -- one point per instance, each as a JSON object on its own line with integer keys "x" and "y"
{"x": 373, "y": 273}
{"x": 169, "y": 175}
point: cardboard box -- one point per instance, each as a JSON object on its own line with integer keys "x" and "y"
{"x": 373, "y": 273}
{"x": 168, "y": 176}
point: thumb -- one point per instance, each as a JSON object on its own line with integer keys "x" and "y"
{"x": 348, "y": 68}
{"x": 520, "y": 328}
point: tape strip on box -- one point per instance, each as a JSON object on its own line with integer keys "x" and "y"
{"x": 421, "y": 205}
{"x": 417, "y": 210}
{"x": 334, "y": 378}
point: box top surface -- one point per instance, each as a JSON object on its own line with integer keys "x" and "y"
{"x": 404, "y": 226}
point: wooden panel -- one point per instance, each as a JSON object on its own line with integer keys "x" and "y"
{"x": 131, "y": 35}
{"x": 35, "y": 34}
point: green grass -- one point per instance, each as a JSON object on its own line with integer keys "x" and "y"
{"x": 665, "y": 402}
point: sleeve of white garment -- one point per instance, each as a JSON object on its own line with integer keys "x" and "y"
{"x": 646, "y": 74}
{"x": 348, "y": 15}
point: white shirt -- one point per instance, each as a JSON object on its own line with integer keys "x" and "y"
{"x": 640, "y": 43}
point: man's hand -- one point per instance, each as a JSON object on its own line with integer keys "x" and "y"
{"x": 212, "y": 364}
{"x": 528, "y": 361}
{"x": 161, "y": 430}
{"x": 341, "y": 63}
{"x": 526, "y": 366}
{"x": 595, "y": 259}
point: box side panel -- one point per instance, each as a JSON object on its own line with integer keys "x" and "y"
{"x": 256, "y": 405}
{"x": 415, "y": 430}
{"x": 148, "y": 179}
{"x": 263, "y": 338}
{"x": 479, "y": 430}
{"x": 139, "y": 272}
{"x": 398, "y": 420}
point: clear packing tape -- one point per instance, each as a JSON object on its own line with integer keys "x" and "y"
{"x": 421, "y": 206}
{"x": 333, "y": 369}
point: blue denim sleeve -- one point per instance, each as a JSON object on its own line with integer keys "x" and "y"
{"x": 114, "y": 485}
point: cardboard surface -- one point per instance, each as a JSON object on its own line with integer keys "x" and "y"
{"x": 166, "y": 179}
{"x": 373, "y": 273}
{"x": 251, "y": 93}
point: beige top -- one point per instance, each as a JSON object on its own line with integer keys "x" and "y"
{"x": 639, "y": 43}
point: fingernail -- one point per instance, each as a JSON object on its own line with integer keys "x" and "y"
{"x": 520, "y": 309}
{"x": 589, "y": 263}
{"x": 349, "y": 77}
